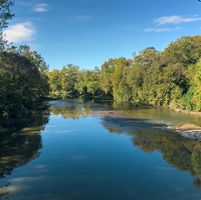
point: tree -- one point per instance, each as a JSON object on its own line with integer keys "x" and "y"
{"x": 135, "y": 82}
{"x": 88, "y": 82}
{"x": 38, "y": 62}
{"x": 196, "y": 88}
{"x": 5, "y": 15}
{"x": 146, "y": 57}
{"x": 24, "y": 76}
{"x": 11, "y": 105}
{"x": 105, "y": 76}
{"x": 69, "y": 78}
{"x": 55, "y": 81}
{"x": 186, "y": 51}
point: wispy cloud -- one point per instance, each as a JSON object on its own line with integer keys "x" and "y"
{"x": 175, "y": 19}
{"x": 43, "y": 7}
{"x": 171, "y": 20}
{"x": 21, "y": 32}
{"x": 162, "y": 29}
{"x": 83, "y": 18}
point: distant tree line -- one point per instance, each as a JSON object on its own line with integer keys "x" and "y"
{"x": 171, "y": 77}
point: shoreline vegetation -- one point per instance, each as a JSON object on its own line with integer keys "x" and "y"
{"x": 170, "y": 78}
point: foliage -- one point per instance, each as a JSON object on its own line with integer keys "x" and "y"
{"x": 186, "y": 50}
{"x": 168, "y": 78}
{"x": 5, "y": 16}
{"x": 54, "y": 81}
{"x": 11, "y": 104}
{"x": 69, "y": 77}
{"x": 23, "y": 83}
{"x": 5, "y": 13}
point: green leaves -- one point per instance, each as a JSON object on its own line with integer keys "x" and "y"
{"x": 5, "y": 13}
{"x": 22, "y": 84}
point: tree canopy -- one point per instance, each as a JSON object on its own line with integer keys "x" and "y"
{"x": 164, "y": 78}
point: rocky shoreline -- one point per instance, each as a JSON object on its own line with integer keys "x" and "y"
{"x": 190, "y": 131}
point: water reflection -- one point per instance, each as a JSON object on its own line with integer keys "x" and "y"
{"x": 21, "y": 147}
{"x": 146, "y": 134}
{"x": 70, "y": 109}
{"x": 183, "y": 154}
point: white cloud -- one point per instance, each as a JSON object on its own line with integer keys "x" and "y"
{"x": 21, "y": 32}
{"x": 41, "y": 7}
{"x": 161, "y": 29}
{"x": 175, "y": 19}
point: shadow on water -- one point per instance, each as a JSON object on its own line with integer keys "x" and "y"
{"x": 147, "y": 135}
{"x": 20, "y": 147}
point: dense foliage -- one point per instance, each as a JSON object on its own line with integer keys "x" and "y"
{"x": 23, "y": 78}
{"x": 168, "y": 78}
{"x": 23, "y": 82}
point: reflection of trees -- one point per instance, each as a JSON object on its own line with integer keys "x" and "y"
{"x": 71, "y": 109}
{"x": 19, "y": 148}
{"x": 4, "y": 192}
{"x": 75, "y": 109}
{"x": 182, "y": 153}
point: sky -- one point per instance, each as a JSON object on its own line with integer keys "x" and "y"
{"x": 86, "y": 33}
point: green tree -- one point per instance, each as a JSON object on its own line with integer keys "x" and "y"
{"x": 106, "y": 72}
{"x": 5, "y": 13}
{"x": 135, "y": 81}
{"x": 11, "y": 104}
{"x": 121, "y": 90}
{"x": 186, "y": 51}
{"x": 38, "y": 63}
{"x": 146, "y": 57}
{"x": 69, "y": 78}
{"x": 196, "y": 88}
{"x": 88, "y": 83}
{"x": 55, "y": 81}
{"x": 24, "y": 76}
{"x": 5, "y": 16}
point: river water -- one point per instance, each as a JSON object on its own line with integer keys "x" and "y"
{"x": 101, "y": 151}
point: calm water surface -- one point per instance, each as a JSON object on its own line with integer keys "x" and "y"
{"x": 85, "y": 151}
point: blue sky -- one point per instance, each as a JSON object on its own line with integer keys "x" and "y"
{"x": 87, "y": 33}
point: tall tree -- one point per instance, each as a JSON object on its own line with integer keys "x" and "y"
{"x": 105, "y": 76}
{"x": 146, "y": 57}
{"x": 5, "y": 16}
{"x": 55, "y": 81}
{"x": 69, "y": 78}
{"x": 186, "y": 51}
{"x": 5, "y": 13}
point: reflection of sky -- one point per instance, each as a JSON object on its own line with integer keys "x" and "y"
{"x": 80, "y": 159}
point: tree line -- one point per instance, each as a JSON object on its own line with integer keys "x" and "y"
{"x": 171, "y": 77}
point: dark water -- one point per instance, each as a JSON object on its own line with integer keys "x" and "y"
{"x": 85, "y": 151}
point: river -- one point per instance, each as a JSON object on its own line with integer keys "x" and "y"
{"x": 94, "y": 151}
